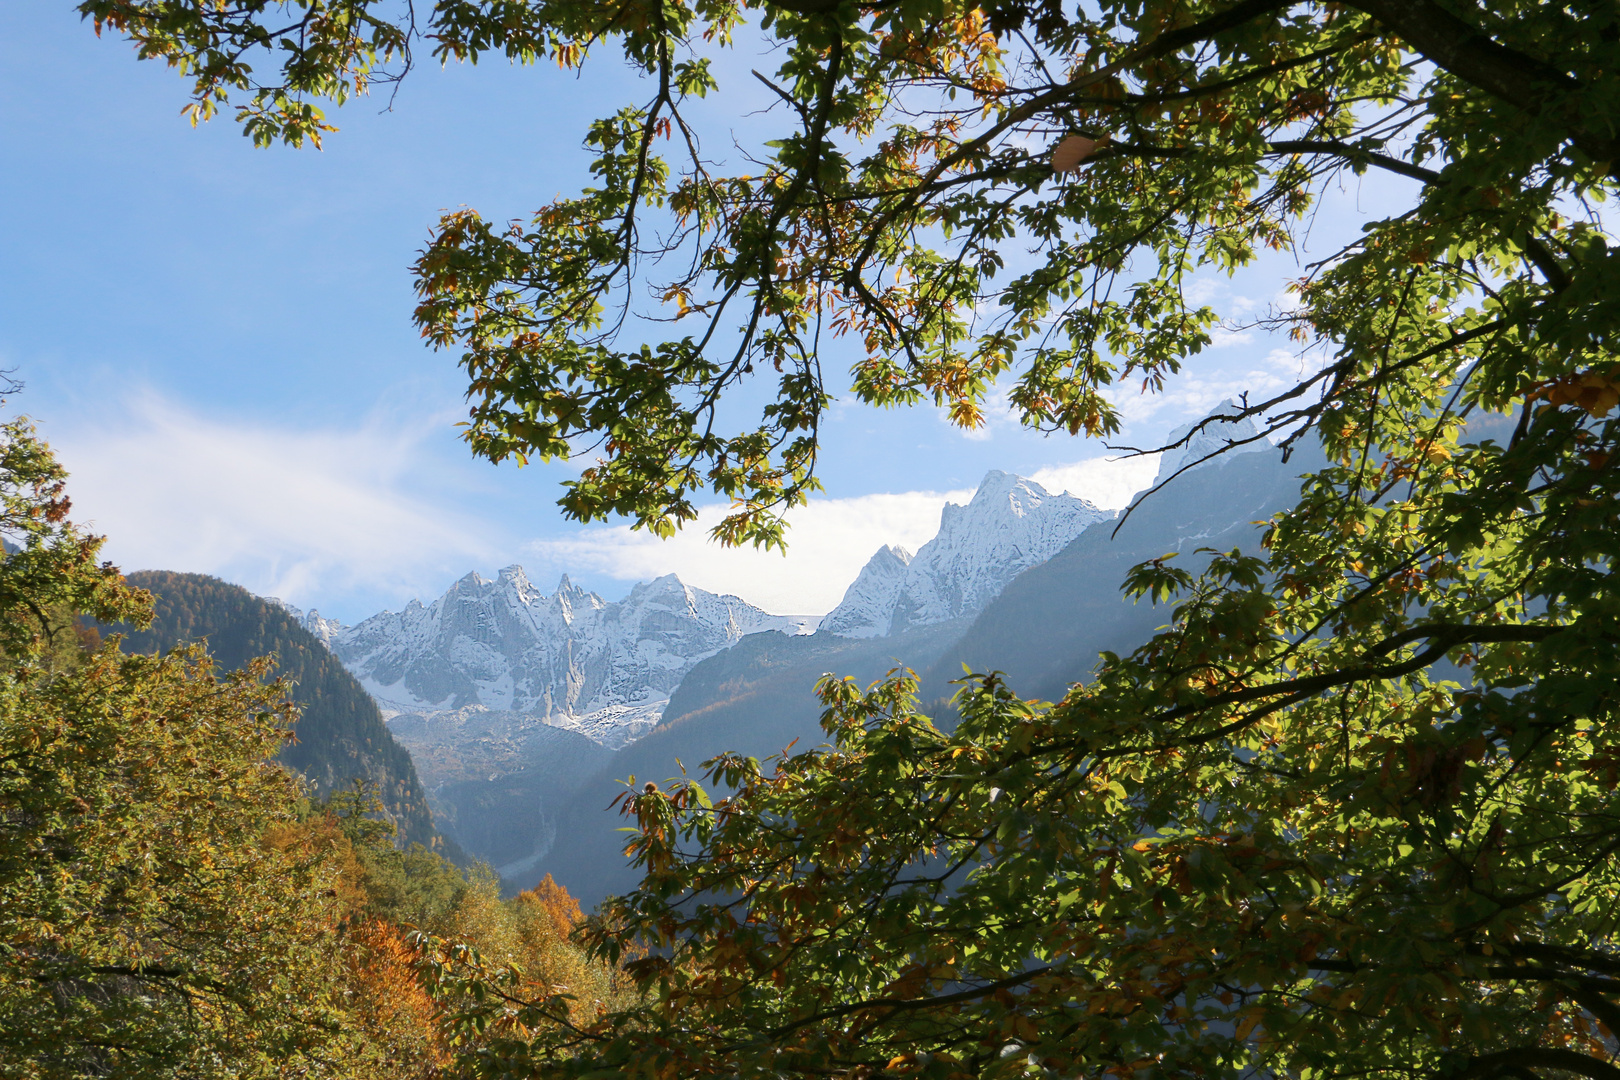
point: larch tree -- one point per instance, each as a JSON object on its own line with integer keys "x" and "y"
{"x": 1277, "y": 839}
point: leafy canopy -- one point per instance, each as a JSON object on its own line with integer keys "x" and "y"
{"x": 1279, "y": 837}
{"x": 912, "y": 163}
{"x": 143, "y": 929}
{"x": 171, "y": 904}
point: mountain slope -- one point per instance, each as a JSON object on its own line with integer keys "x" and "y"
{"x": 755, "y": 698}
{"x": 867, "y": 609}
{"x": 1047, "y": 627}
{"x": 341, "y": 735}
{"x": 498, "y": 781}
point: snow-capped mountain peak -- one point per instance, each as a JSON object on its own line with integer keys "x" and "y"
{"x": 1009, "y": 525}
{"x": 869, "y": 602}
{"x": 1223, "y": 435}
{"x": 310, "y": 620}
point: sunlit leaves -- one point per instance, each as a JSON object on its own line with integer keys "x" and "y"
{"x": 146, "y": 931}
{"x": 1352, "y": 811}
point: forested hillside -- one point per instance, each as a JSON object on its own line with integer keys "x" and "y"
{"x": 340, "y": 734}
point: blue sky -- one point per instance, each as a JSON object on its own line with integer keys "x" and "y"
{"x": 217, "y": 341}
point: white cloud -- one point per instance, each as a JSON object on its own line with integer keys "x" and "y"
{"x": 298, "y": 513}
{"x": 1108, "y": 482}
{"x": 1221, "y": 338}
{"x": 1189, "y": 396}
{"x": 1217, "y": 290}
{"x": 355, "y": 519}
{"x": 830, "y": 540}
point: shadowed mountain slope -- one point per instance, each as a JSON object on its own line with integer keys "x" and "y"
{"x": 1046, "y": 629}
{"x": 755, "y": 699}
{"x": 498, "y": 781}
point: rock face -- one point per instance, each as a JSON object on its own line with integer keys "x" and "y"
{"x": 323, "y": 628}
{"x": 569, "y": 657}
{"x": 1046, "y": 629}
{"x": 1010, "y": 525}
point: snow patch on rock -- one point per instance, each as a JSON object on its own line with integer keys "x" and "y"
{"x": 310, "y": 620}
{"x": 869, "y": 602}
{"x": 1223, "y": 438}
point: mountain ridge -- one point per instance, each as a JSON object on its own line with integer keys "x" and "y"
{"x": 491, "y": 685}
{"x": 569, "y": 656}
{"x": 606, "y": 669}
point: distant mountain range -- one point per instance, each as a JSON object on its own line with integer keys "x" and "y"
{"x": 523, "y": 710}
{"x": 605, "y": 669}
{"x": 508, "y": 698}
{"x": 568, "y": 658}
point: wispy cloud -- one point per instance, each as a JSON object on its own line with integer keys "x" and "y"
{"x": 1148, "y": 416}
{"x": 1222, "y": 338}
{"x": 368, "y": 516}
{"x": 300, "y": 513}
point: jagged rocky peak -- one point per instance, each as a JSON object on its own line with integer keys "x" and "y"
{"x": 515, "y": 582}
{"x": 1225, "y": 437}
{"x": 569, "y": 596}
{"x": 1010, "y": 525}
{"x": 311, "y": 620}
{"x": 568, "y": 658}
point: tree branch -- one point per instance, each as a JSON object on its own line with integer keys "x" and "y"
{"x": 1443, "y": 640}
{"x": 1593, "y": 1001}
{"x": 1162, "y": 45}
{"x": 1476, "y": 58}
{"x": 1504, "y": 1061}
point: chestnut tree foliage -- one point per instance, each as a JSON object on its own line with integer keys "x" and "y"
{"x": 144, "y": 931}
{"x": 1353, "y": 811}
{"x": 171, "y": 902}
